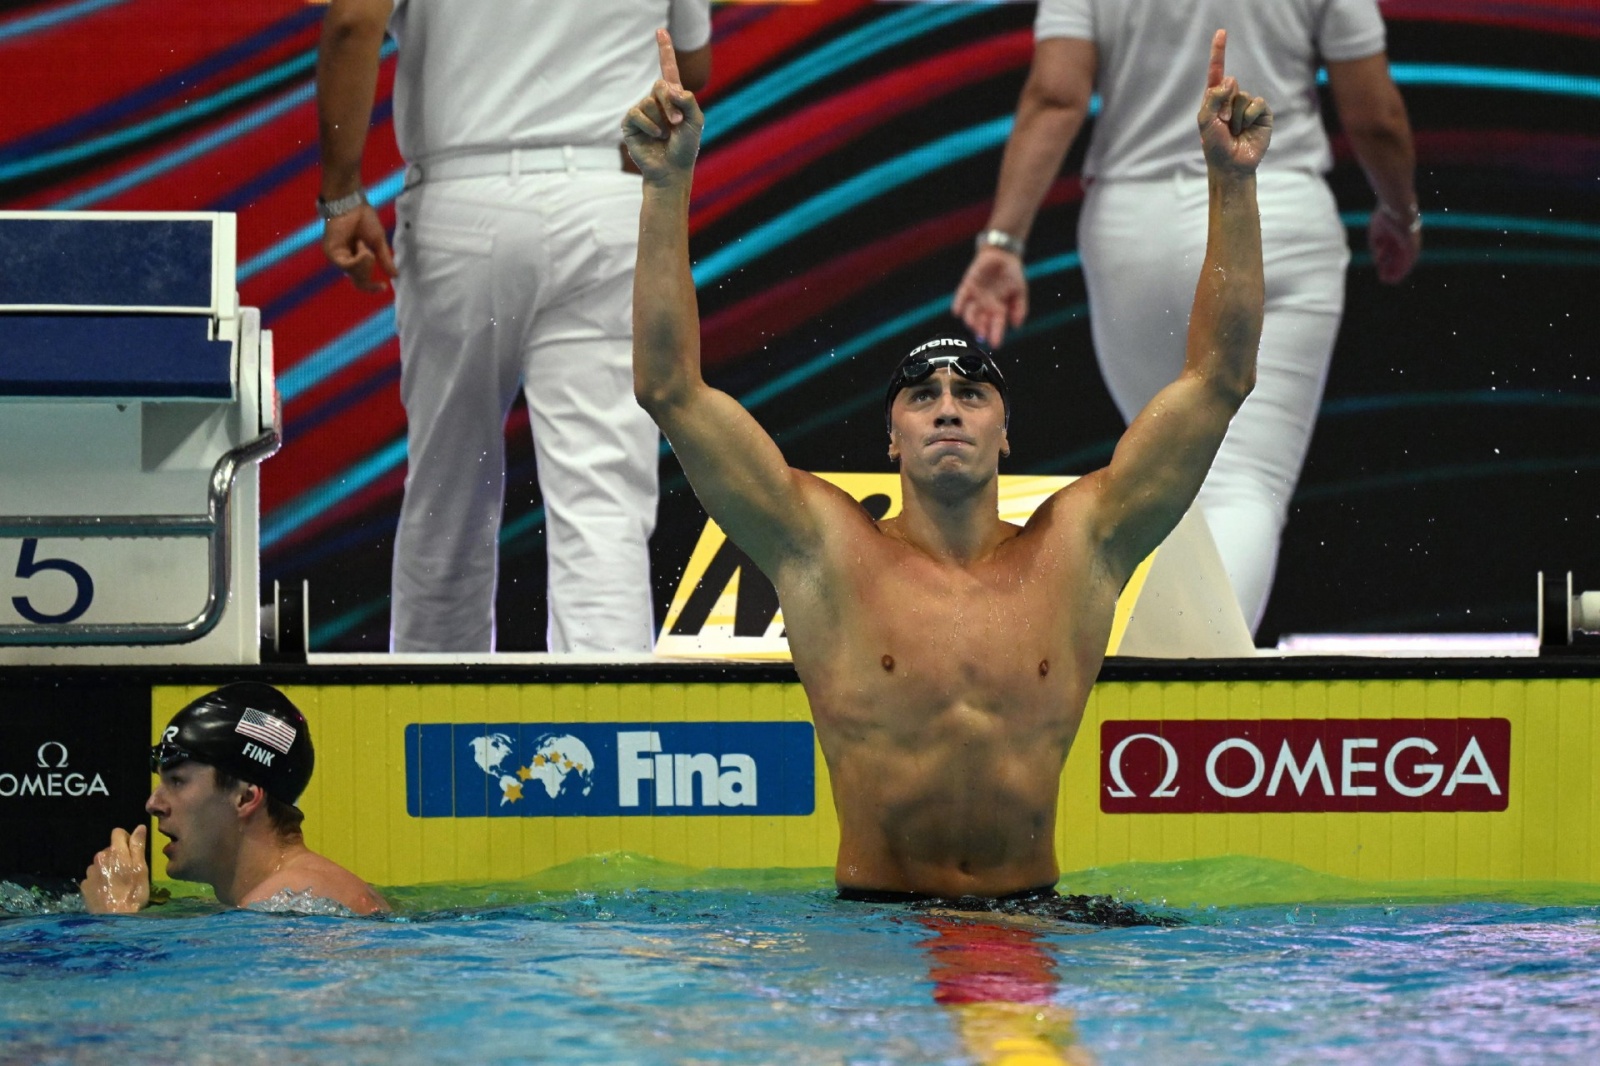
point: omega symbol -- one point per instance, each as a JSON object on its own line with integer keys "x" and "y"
{"x": 1165, "y": 789}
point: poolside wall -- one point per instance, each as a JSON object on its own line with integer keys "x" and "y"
{"x": 363, "y": 810}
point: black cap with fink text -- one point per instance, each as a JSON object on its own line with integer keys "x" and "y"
{"x": 249, "y": 730}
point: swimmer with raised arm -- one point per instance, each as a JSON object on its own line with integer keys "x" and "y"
{"x": 232, "y": 765}
{"x": 947, "y": 655}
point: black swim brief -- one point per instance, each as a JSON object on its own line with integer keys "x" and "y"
{"x": 1042, "y": 902}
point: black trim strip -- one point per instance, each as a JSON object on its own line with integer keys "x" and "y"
{"x": 1295, "y": 668}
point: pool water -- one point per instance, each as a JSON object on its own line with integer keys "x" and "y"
{"x": 788, "y": 974}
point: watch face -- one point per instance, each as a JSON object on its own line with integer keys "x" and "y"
{"x": 995, "y": 238}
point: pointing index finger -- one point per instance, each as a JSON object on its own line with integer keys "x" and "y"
{"x": 1219, "y": 45}
{"x": 669, "y": 59}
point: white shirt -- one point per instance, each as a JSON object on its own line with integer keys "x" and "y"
{"x": 1152, "y": 71}
{"x": 487, "y": 75}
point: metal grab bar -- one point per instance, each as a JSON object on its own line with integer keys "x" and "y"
{"x": 213, "y": 525}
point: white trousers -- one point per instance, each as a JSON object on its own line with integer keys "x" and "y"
{"x": 522, "y": 282}
{"x": 1142, "y": 244}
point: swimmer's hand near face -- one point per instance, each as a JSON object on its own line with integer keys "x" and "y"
{"x": 118, "y": 880}
{"x": 1235, "y": 127}
{"x": 662, "y": 131}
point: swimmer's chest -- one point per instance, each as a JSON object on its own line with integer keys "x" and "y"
{"x": 997, "y": 637}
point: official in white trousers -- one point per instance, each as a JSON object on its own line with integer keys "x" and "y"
{"x": 515, "y": 242}
{"x": 1141, "y": 232}
{"x": 511, "y": 283}
{"x": 1139, "y": 296}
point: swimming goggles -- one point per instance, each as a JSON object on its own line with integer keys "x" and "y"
{"x": 974, "y": 364}
{"x": 166, "y": 755}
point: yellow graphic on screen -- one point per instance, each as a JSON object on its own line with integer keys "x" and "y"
{"x": 724, "y": 605}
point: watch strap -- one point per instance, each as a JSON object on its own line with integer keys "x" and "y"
{"x": 1411, "y": 218}
{"x": 999, "y": 238}
{"x": 329, "y": 209}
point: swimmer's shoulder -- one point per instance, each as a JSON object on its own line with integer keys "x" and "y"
{"x": 1071, "y": 503}
{"x": 838, "y": 521}
{"x": 835, "y": 504}
{"x": 815, "y": 519}
{"x": 323, "y": 879}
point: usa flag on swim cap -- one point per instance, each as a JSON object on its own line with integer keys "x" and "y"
{"x": 274, "y": 732}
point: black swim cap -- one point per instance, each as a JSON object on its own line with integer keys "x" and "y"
{"x": 249, "y": 730}
{"x": 963, "y": 356}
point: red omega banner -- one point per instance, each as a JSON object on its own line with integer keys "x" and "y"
{"x": 1330, "y": 764}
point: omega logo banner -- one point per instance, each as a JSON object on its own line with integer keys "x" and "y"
{"x": 74, "y": 762}
{"x": 553, "y": 769}
{"x": 1300, "y": 765}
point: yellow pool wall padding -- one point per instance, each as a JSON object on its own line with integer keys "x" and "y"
{"x": 355, "y": 805}
{"x": 356, "y": 813}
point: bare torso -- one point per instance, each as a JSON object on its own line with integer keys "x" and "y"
{"x": 946, "y": 695}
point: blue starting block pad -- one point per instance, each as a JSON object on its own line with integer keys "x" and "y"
{"x": 112, "y": 357}
{"x": 115, "y": 307}
{"x": 136, "y": 397}
{"x": 75, "y": 261}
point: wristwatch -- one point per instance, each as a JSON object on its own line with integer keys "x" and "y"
{"x": 999, "y": 238}
{"x": 330, "y": 209}
{"x": 1411, "y": 218}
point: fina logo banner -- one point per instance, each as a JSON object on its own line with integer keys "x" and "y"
{"x": 546, "y": 770}
{"x": 1300, "y": 765}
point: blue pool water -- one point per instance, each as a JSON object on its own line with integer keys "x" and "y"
{"x": 794, "y": 976}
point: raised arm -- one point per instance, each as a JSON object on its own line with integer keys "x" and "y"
{"x": 735, "y": 468}
{"x": 993, "y": 293}
{"x": 1374, "y": 118}
{"x": 1164, "y": 455}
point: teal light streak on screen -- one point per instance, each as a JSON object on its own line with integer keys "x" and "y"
{"x": 867, "y": 185}
{"x": 772, "y": 89}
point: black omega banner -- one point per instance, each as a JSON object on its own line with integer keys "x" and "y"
{"x": 74, "y": 762}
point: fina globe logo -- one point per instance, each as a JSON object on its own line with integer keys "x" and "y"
{"x": 558, "y": 763}
{"x": 1305, "y": 765}
{"x": 50, "y": 777}
{"x": 577, "y": 769}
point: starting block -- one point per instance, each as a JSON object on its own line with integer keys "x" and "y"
{"x": 136, "y": 398}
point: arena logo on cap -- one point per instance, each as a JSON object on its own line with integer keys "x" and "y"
{"x": 1303, "y": 765}
{"x": 523, "y": 770}
{"x": 939, "y": 342}
{"x": 46, "y": 779}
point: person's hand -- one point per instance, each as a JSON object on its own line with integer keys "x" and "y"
{"x": 356, "y": 244}
{"x": 118, "y": 880}
{"x": 662, "y": 131}
{"x": 1234, "y": 126}
{"x": 992, "y": 295}
{"x": 1395, "y": 246}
